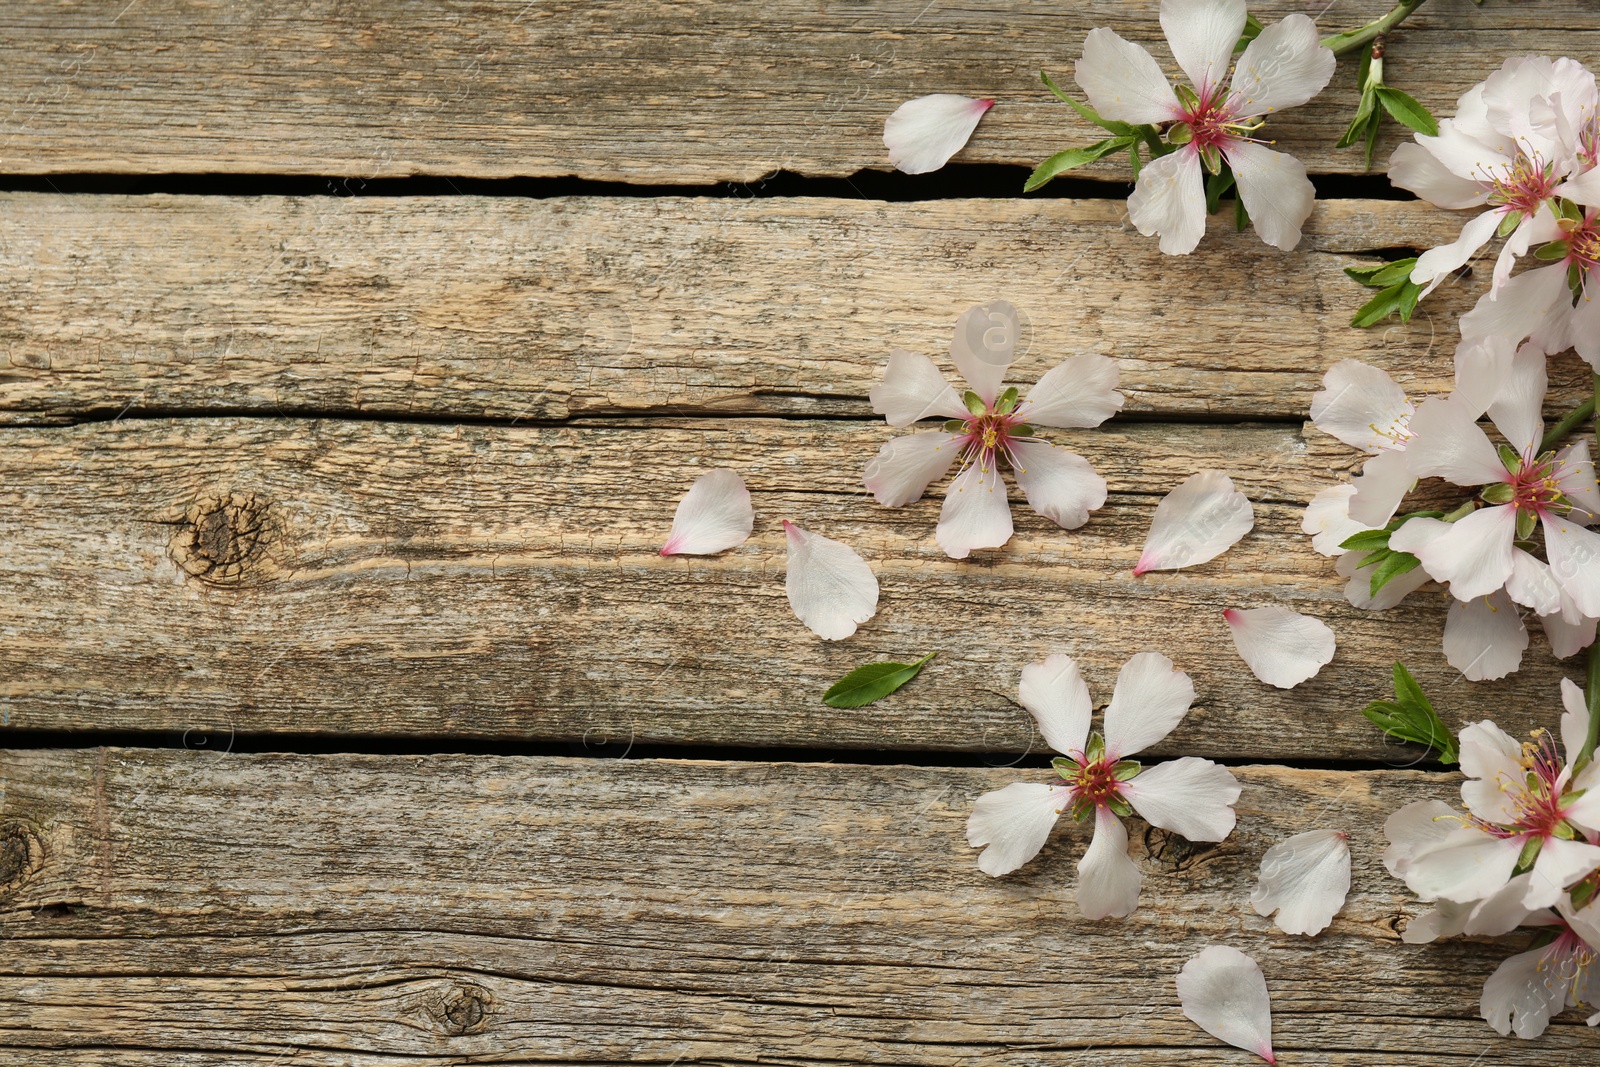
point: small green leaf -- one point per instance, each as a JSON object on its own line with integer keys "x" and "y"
{"x": 1366, "y": 540}
{"x": 1241, "y": 217}
{"x": 1073, "y": 157}
{"x": 1066, "y": 767}
{"x": 1357, "y": 130}
{"x": 1409, "y": 295}
{"x": 1410, "y": 717}
{"x": 1121, "y": 129}
{"x": 872, "y": 681}
{"x": 1372, "y": 140}
{"x": 1400, "y": 297}
{"x": 1252, "y": 30}
{"x": 1406, "y": 111}
{"x": 1133, "y": 159}
{"x": 1394, "y": 566}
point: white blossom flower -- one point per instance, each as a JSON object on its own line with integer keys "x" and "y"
{"x": 1283, "y": 67}
{"x": 714, "y": 515}
{"x": 989, "y": 424}
{"x": 1363, "y": 407}
{"x": 924, "y": 133}
{"x": 1196, "y": 522}
{"x": 1189, "y": 796}
{"x": 1224, "y": 993}
{"x": 1305, "y": 880}
{"x": 830, "y": 587}
{"x": 1526, "y": 990}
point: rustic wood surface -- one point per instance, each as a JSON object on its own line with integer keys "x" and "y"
{"x": 511, "y": 309}
{"x": 474, "y": 909}
{"x": 654, "y": 92}
{"x": 347, "y": 577}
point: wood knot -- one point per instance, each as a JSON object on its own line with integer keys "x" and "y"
{"x": 1177, "y": 851}
{"x": 229, "y": 541}
{"x": 461, "y": 1008}
{"x": 22, "y": 854}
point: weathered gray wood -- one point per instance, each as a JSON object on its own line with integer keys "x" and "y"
{"x": 516, "y": 309}
{"x": 222, "y": 575}
{"x": 357, "y": 909}
{"x": 696, "y": 91}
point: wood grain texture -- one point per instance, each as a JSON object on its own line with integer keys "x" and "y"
{"x": 363, "y": 910}
{"x": 333, "y": 577}
{"x": 635, "y": 90}
{"x": 513, "y": 309}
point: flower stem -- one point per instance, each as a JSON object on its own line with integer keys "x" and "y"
{"x": 1574, "y": 419}
{"x": 1350, "y": 40}
{"x": 1591, "y": 693}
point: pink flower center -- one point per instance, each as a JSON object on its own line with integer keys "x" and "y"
{"x": 1583, "y": 243}
{"x": 1214, "y": 122}
{"x": 983, "y": 437}
{"x": 1523, "y": 186}
{"x": 1535, "y": 796}
{"x": 1096, "y": 783}
{"x": 1534, "y": 488}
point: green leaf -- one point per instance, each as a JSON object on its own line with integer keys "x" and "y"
{"x": 1216, "y": 185}
{"x": 1372, "y": 140}
{"x": 1409, "y": 295}
{"x": 872, "y": 681}
{"x": 1553, "y": 251}
{"x": 1252, "y": 30}
{"x": 1406, "y": 111}
{"x": 1384, "y": 276}
{"x": 1133, "y": 159}
{"x": 1366, "y": 540}
{"x": 1073, "y": 157}
{"x": 1394, "y": 566}
{"x": 1121, "y": 129}
{"x": 1410, "y": 717}
{"x": 1401, "y": 298}
{"x": 1241, "y": 217}
{"x": 1066, "y": 767}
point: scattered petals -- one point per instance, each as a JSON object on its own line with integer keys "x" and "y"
{"x": 1282, "y": 647}
{"x": 1305, "y": 880}
{"x": 924, "y": 133}
{"x": 1224, "y": 993}
{"x": 713, "y": 516}
{"x": 1196, "y": 522}
{"x": 831, "y": 588}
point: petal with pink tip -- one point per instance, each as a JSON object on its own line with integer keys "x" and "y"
{"x": 1282, "y": 647}
{"x": 1484, "y": 638}
{"x": 830, "y": 587}
{"x": 1361, "y": 406}
{"x": 1151, "y": 698}
{"x": 905, "y": 466}
{"x": 1474, "y": 555}
{"x": 1449, "y": 444}
{"x": 1196, "y": 522}
{"x": 924, "y": 133}
{"x": 1202, "y": 34}
{"x": 1123, "y": 82}
{"x": 975, "y": 513}
{"x": 1060, "y": 485}
{"x": 1574, "y": 553}
{"x": 913, "y": 389}
{"x": 1276, "y": 192}
{"x": 1108, "y": 881}
{"x": 713, "y": 516}
{"x": 1223, "y": 992}
{"x": 1189, "y": 796}
{"x": 1327, "y": 519}
{"x": 1305, "y": 880}
{"x": 1055, "y": 694}
{"x": 1285, "y": 66}
{"x": 1012, "y": 824}
{"x": 1078, "y": 393}
{"x": 1169, "y": 199}
{"x": 984, "y": 345}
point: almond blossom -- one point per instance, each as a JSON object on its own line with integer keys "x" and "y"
{"x": 1224, "y": 993}
{"x": 989, "y": 423}
{"x": 1208, "y": 121}
{"x": 1530, "y": 988}
{"x": 1189, "y": 796}
{"x": 924, "y": 133}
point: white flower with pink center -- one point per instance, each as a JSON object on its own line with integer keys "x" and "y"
{"x": 1208, "y": 121}
{"x": 1189, "y": 796}
{"x": 985, "y": 426}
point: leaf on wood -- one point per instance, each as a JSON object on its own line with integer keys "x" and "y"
{"x": 1410, "y": 717}
{"x": 872, "y": 681}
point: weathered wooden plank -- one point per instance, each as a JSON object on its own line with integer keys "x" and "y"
{"x": 516, "y": 309}
{"x": 491, "y": 582}
{"x": 360, "y": 909}
{"x": 690, "y": 91}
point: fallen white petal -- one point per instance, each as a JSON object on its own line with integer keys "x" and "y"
{"x": 913, "y": 389}
{"x": 714, "y": 515}
{"x": 1224, "y": 993}
{"x": 1484, "y": 638}
{"x": 1108, "y": 881}
{"x": 1055, "y": 694}
{"x": 1282, "y": 647}
{"x": 1014, "y": 823}
{"x": 924, "y": 133}
{"x": 1305, "y": 880}
{"x": 1196, "y": 522}
{"x": 831, "y": 588}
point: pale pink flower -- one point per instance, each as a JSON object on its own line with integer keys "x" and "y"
{"x": 1224, "y": 993}
{"x": 1527, "y": 990}
{"x": 1283, "y": 67}
{"x": 1189, "y": 796}
{"x": 985, "y": 426}
{"x": 924, "y": 133}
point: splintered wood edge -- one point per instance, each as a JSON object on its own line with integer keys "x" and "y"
{"x": 404, "y": 905}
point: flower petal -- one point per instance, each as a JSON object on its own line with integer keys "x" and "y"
{"x": 1223, "y": 992}
{"x": 913, "y": 389}
{"x": 984, "y": 345}
{"x": 1282, "y": 647}
{"x": 1574, "y": 553}
{"x": 1517, "y": 408}
{"x": 1520, "y": 997}
{"x": 1305, "y": 880}
{"x": 1491, "y": 760}
{"x": 1384, "y": 481}
{"x": 1151, "y": 698}
{"x": 1285, "y": 66}
{"x": 1474, "y": 555}
{"x": 831, "y": 588}
{"x": 1484, "y": 638}
{"x": 1327, "y": 519}
{"x": 1189, "y": 796}
{"x": 1196, "y": 522}
{"x": 1275, "y": 190}
{"x": 1521, "y": 307}
{"x": 1437, "y": 263}
{"x": 1060, "y": 485}
{"x": 1414, "y": 168}
{"x": 1014, "y": 824}
{"x": 1467, "y": 865}
{"x": 1361, "y": 406}
{"x": 1560, "y": 864}
{"x": 1532, "y": 585}
{"x": 924, "y": 133}
{"x": 1079, "y": 393}
{"x": 1358, "y": 590}
{"x": 1449, "y": 444}
{"x": 1108, "y": 881}
{"x": 1169, "y": 199}
{"x": 1202, "y": 34}
{"x": 1482, "y": 365}
{"x": 1055, "y": 694}
{"x": 1574, "y": 720}
{"x": 1568, "y": 638}
{"x": 1576, "y": 478}
{"x": 713, "y": 516}
{"x": 905, "y": 466}
{"x": 1414, "y": 829}
{"x": 975, "y": 512}
{"x": 1122, "y": 81}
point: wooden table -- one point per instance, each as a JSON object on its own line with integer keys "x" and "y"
{"x": 356, "y": 355}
